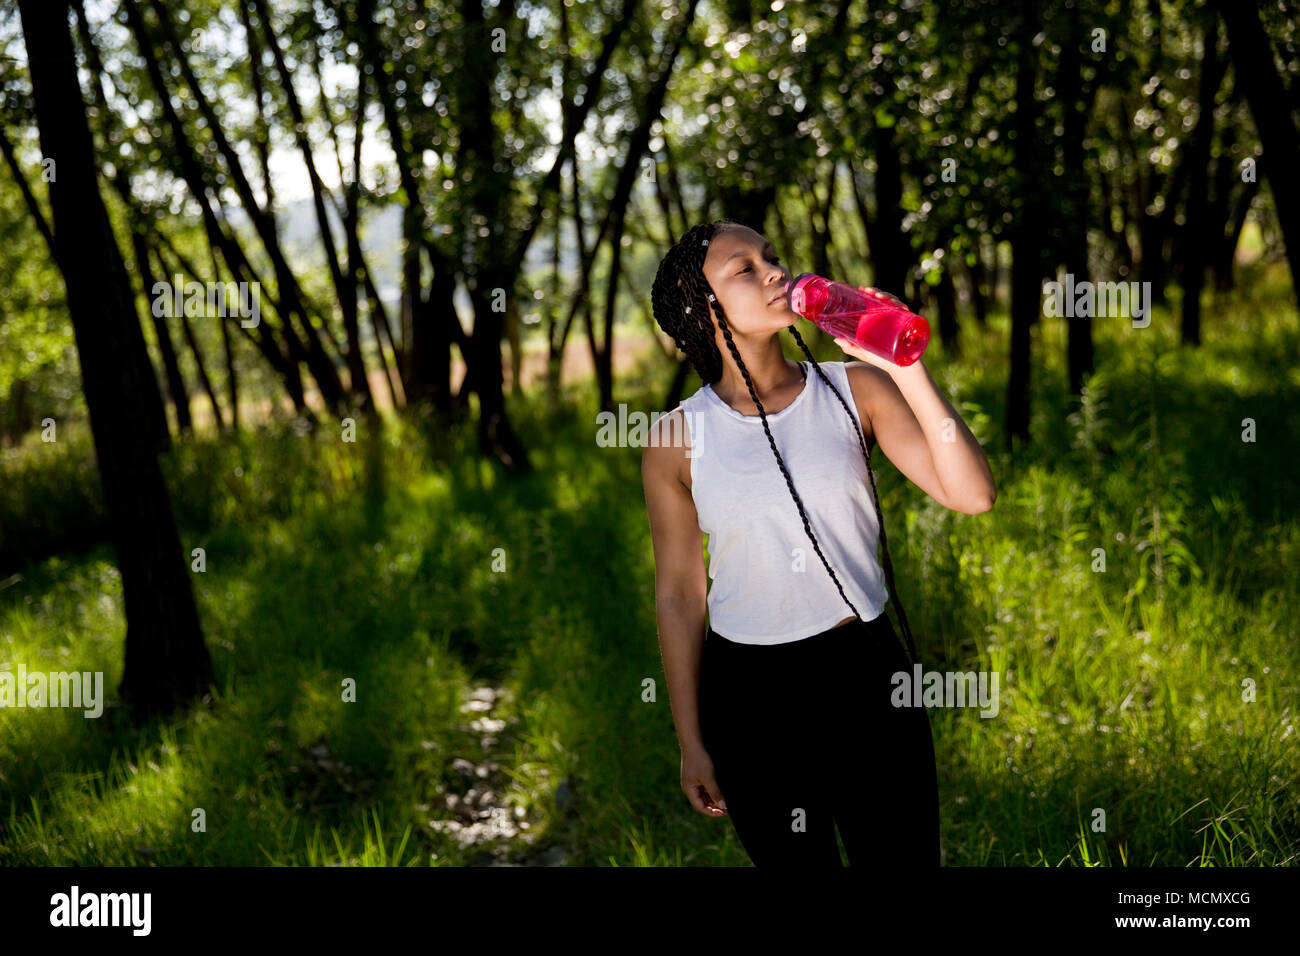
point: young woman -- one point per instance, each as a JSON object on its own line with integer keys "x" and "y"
{"x": 782, "y": 706}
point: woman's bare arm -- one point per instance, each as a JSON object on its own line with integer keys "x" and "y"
{"x": 921, "y": 433}
{"x": 680, "y": 577}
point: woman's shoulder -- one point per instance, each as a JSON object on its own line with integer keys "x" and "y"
{"x": 833, "y": 365}
{"x": 859, "y": 371}
{"x": 841, "y": 371}
{"x": 671, "y": 431}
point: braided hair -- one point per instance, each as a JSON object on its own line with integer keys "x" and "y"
{"x": 681, "y": 297}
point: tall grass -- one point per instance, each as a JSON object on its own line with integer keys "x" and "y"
{"x": 1124, "y": 691}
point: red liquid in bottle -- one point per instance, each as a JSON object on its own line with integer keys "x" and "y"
{"x": 844, "y": 311}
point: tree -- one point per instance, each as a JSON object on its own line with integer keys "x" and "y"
{"x": 166, "y": 659}
{"x": 1026, "y": 275}
{"x": 1252, "y": 56}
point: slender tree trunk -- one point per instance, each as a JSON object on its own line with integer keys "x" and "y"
{"x": 638, "y": 142}
{"x": 978, "y": 275}
{"x": 20, "y": 178}
{"x": 15, "y": 416}
{"x": 890, "y": 247}
{"x": 218, "y": 237}
{"x": 554, "y": 358}
{"x": 1077, "y": 104}
{"x": 262, "y": 136}
{"x": 167, "y": 662}
{"x": 678, "y": 385}
{"x": 379, "y": 320}
{"x": 197, "y": 352}
{"x": 292, "y": 300}
{"x": 1220, "y": 208}
{"x": 1117, "y": 236}
{"x": 429, "y": 322}
{"x": 1153, "y": 227}
{"x": 1227, "y": 254}
{"x": 175, "y": 383}
{"x": 489, "y": 197}
{"x": 232, "y": 382}
{"x": 665, "y": 208}
{"x": 265, "y": 341}
{"x": 1252, "y": 56}
{"x": 676, "y": 190}
{"x": 1026, "y": 288}
{"x": 139, "y": 230}
{"x": 1194, "y": 248}
{"x": 344, "y": 288}
{"x": 350, "y": 279}
{"x": 945, "y": 295}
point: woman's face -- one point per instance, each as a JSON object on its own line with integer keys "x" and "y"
{"x": 749, "y": 280}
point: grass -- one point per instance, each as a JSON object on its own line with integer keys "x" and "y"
{"x": 1157, "y": 695}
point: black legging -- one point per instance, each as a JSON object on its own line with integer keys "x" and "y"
{"x": 808, "y": 726}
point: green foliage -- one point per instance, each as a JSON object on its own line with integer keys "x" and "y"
{"x": 1122, "y": 680}
{"x": 39, "y": 375}
{"x": 1120, "y": 690}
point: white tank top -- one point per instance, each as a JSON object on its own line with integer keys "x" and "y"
{"x": 766, "y": 583}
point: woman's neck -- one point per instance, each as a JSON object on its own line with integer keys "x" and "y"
{"x": 770, "y": 377}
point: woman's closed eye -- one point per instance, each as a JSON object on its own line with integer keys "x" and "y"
{"x": 775, "y": 262}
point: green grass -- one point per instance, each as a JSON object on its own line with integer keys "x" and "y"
{"x": 1121, "y": 691}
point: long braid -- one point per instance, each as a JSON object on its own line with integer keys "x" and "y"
{"x": 680, "y": 295}
{"x": 880, "y": 519}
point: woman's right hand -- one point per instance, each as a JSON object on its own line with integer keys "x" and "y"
{"x": 699, "y": 784}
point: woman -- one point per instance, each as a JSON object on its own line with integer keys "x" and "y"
{"x": 782, "y": 707}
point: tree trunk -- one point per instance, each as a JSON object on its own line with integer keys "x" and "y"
{"x": 1252, "y": 56}
{"x": 236, "y": 261}
{"x": 199, "y": 365}
{"x": 167, "y": 662}
{"x": 1117, "y": 236}
{"x": 945, "y": 295}
{"x": 678, "y": 385}
{"x": 638, "y": 142}
{"x": 1220, "y": 207}
{"x": 429, "y": 322}
{"x": 175, "y": 382}
{"x": 890, "y": 247}
{"x": 350, "y": 290}
{"x": 344, "y": 288}
{"x": 977, "y": 273}
{"x": 1027, "y": 232}
{"x": 1227, "y": 253}
{"x": 1077, "y": 104}
{"x": 232, "y": 381}
{"x": 292, "y": 299}
{"x": 1194, "y": 248}
{"x": 554, "y": 365}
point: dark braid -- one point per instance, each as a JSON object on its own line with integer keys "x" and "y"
{"x": 680, "y": 297}
{"x": 880, "y": 520}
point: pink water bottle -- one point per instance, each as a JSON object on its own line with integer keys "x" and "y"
{"x": 877, "y": 324}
